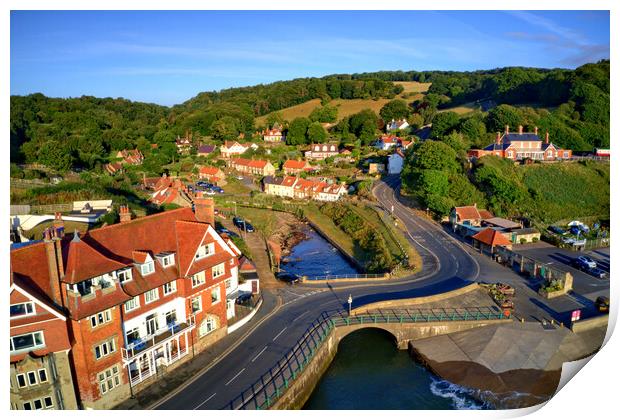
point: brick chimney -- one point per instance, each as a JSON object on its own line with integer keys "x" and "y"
{"x": 55, "y": 267}
{"x": 547, "y": 137}
{"x": 58, "y": 225}
{"x": 204, "y": 209}
{"x": 536, "y": 130}
{"x": 498, "y": 138}
{"x": 520, "y": 129}
{"x": 125, "y": 214}
{"x": 507, "y": 129}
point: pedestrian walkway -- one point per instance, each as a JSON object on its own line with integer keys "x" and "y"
{"x": 183, "y": 374}
{"x": 260, "y": 257}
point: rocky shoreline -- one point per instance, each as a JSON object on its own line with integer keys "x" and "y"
{"x": 290, "y": 232}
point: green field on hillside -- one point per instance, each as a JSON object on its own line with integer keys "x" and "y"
{"x": 568, "y": 190}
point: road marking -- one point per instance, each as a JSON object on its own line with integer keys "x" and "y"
{"x": 299, "y": 316}
{"x": 276, "y": 337}
{"x": 204, "y": 402}
{"x": 261, "y": 352}
{"x": 235, "y": 377}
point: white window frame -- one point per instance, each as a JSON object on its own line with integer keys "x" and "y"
{"x": 105, "y": 349}
{"x": 170, "y": 287}
{"x": 101, "y": 318}
{"x": 166, "y": 260}
{"x": 151, "y": 296}
{"x": 126, "y": 273}
{"x": 29, "y": 312}
{"x": 133, "y": 301}
{"x": 41, "y": 380}
{"x": 35, "y": 378}
{"x": 25, "y": 380}
{"x": 218, "y": 270}
{"x": 205, "y": 250}
{"x": 36, "y": 346}
{"x": 109, "y": 379}
{"x": 209, "y": 321}
{"x": 191, "y": 304}
{"x": 147, "y": 268}
{"x": 198, "y": 279}
{"x": 216, "y": 291}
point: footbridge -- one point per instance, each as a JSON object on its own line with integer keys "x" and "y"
{"x": 289, "y": 383}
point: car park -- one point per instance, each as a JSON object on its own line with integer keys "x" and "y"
{"x": 602, "y": 304}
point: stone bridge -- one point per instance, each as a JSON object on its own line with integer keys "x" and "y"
{"x": 296, "y": 388}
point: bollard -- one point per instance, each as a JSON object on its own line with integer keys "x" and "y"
{"x": 522, "y": 320}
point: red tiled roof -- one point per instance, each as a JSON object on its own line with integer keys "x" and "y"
{"x": 485, "y": 214}
{"x": 491, "y": 237}
{"x": 249, "y": 163}
{"x": 294, "y": 164}
{"x": 467, "y": 212}
{"x": 84, "y": 262}
{"x": 209, "y": 170}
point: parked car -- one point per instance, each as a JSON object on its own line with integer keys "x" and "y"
{"x": 204, "y": 184}
{"x": 210, "y": 192}
{"x": 575, "y": 230}
{"x": 587, "y": 261}
{"x": 287, "y": 277}
{"x": 557, "y": 229}
{"x": 224, "y": 230}
{"x": 239, "y": 177}
{"x": 602, "y": 304}
{"x": 596, "y": 272}
{"x": 218, "y": 190}
{"x": 244, "y": 298}
{"x": 241, "y": 224}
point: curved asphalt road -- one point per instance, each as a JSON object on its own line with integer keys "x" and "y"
{"x": 446, "y": 266}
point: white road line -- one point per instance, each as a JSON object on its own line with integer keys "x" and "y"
{"x": 261, "y": 352}
{"x": 299, "y": 316}
{"x": 276, "y": 337}
{"x": 204, "y": 402}
{"x": 235, "y": 377}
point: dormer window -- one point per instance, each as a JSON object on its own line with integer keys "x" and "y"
{"x": 22, "y": 309}
{"x": 124, "y": 275}
{"x": 147, "y": 268}
{"x": 166, "y": 259}
{"x": 205, "y": 250}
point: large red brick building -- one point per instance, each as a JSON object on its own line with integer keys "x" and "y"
{"x": 134, "y": 297}
{"x": 520, "y": 145}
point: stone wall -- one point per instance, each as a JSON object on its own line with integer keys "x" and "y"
{"x": 300, "y": 390}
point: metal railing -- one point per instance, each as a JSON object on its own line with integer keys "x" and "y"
{"x": 272, "y": 384}
{"x": 346, "y": 276}
{"x": 137, "y": 347}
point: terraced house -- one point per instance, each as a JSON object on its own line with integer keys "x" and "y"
{"x": 295, "y": 187}
{"x": 252, "y": 167}
{"x": 125, "y": 303}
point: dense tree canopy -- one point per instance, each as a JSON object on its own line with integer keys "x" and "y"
{"x": 395, "y": 110}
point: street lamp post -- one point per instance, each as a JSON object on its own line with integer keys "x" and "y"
{"x": 350, "y": 301}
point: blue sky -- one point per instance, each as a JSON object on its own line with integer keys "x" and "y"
{"x": 168, "y": 57}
